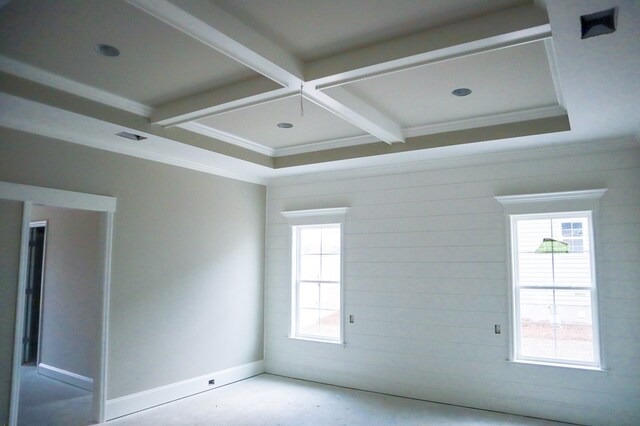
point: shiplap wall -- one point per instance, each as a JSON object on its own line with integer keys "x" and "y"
{"x": 426, "y": 278}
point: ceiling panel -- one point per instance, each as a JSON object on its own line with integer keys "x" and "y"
{"x": 259, "y": 123}
{"x": 505, "y": 80}
{"x": 157, "y": 63}
{"x": 311, "y": 29}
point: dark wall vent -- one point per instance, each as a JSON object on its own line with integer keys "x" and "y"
{"x": 598, "y": 23}
{"x": 131, "y": 136}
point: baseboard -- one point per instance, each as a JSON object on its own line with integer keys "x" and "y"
{"x": 129, "y": 404}
{"x": 65, "y": 376}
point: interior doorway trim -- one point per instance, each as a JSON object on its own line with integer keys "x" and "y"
{"x": 30, "y": 195}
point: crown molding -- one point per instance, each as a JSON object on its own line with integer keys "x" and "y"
{"x": 227, "y": 137}
{"x": 486, "y": 120}
{"x": 590, "y": 194}
{"x": 38, "y": 75}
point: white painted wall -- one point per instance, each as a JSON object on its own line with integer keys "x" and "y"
{"x": 426, "y": 278}
{"x": 72, "y": 293}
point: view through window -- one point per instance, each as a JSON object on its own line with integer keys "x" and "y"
{"x": 554, "y": 288}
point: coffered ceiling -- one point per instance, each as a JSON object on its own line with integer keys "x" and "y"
{"x": 212, "y": 79}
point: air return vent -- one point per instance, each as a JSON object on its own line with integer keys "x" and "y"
{"x": 131, "y": 136}
{"x": 598, "y": 23}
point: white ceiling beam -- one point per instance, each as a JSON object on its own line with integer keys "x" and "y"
{"x": 357, "y": 112}
{"x": 497, "y": 30}
{"x": 214, "y": 27}
{"x": 233, "y": 96}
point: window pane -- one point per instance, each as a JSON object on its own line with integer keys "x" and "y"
{"x": 330, "y": 296}
{"x": 556, "y": 324}
{"x": 310, "y": 267}
{"x": 572, "y": 269}
{"x": 574, "y": 332}
{"x": 331, "y": 240}
{"x": 308, "y": 295}
{"x": 330, "y": 267}
{"x": 310, "y": 240}
{"x": 320, "y": 323}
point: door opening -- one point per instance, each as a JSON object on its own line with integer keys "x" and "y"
{"x": 33, "y": 293}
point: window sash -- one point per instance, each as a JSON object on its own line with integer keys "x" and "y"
{"x": 517, "y": 288}
{"x": 297, "y": 254}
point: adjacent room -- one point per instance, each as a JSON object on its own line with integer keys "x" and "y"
{"x": 319, "y": 212}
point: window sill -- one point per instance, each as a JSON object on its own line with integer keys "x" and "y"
{"x": 317, "y": 340}
{"x": 558, "y": 365}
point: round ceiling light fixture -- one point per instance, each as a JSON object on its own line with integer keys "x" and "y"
{"x": 107, "y": 50}
{"x": 462, "y": 91}
{"x": 285, "y": 125}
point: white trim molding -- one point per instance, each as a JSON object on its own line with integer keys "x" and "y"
{"x": 129, "y": 404}
{"x": 65, "y": 376}
{"x": 57, "y": 197}
{"x": 22, "y": 70}
{"x": 316, "y": 216}
{"x": 590, "y": 194}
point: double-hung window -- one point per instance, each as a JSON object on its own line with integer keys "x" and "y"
{"x": 553, "y": 288}
{"x": 316, "y": 274}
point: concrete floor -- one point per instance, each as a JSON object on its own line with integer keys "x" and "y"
{"x": 275, "y": 400}
{"x": 44, "y": 401}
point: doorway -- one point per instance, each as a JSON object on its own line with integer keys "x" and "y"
{"x": 33, "y": 293}
{"x": 28, "y": 197}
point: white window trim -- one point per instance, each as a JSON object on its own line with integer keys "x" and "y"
{"x": 545, "y": 203}
{"x": 335, "y": 215}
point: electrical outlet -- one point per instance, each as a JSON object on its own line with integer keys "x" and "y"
{"x": 352, "y": 319}
{"x": 496, "y": 329}
{"x": 212, "y": 382}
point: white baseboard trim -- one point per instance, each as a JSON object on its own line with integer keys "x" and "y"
{"x": 65, "y": 376}
{"x": 129, "y": 404}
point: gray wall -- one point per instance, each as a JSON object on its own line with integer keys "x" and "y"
{"x": 70, "y": 332}
{"x": 10, "y": 220}
{"x": 188, "y": 254}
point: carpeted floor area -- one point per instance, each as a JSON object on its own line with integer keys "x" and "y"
{"x": 48, "y": 402}
{"x": 275, "y": 400}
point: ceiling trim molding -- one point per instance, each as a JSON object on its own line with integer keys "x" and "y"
{"x": 30, "y": 72}
{"x": 328, "y": 144}
{"x": 486, "y": 120}
{"x": 119, "y": 148}
{"x": 449, "y": 162}
{"x": 227, "y": 137}
{"x": 553, "y": 68}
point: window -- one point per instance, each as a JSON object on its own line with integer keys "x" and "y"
{"x": 316, "y": 271}
{"x": 316, "y": 285}
{"x": 554, "y": 288}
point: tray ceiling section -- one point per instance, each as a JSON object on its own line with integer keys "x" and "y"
{"x": 312, "y": 29}
{"x": 502, "y": 81}
{"x": 258, "y": 124}
{"x": 59, "y": 37}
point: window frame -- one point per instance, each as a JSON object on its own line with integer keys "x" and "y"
{"x": 300, "y": 219}
{"x": 516, "y": 289}
{"x": 570, "y": 202}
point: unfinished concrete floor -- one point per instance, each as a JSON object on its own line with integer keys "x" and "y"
{"x": 275, "y": 400}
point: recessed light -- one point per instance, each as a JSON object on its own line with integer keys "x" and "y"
{"x": 462, "y": 91}
{"x": 285, "y": 125}
{"x": 131, "y": 136}
{"x": 107, "y": 50}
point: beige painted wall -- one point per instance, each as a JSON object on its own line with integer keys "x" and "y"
{"x": 72, "y": 298}
{"x": 188, "y": 255}
{"x": 10, "y": 221}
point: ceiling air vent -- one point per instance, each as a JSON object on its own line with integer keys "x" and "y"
{"x": 598, "y": 23}
{"x": 131, "y": 136}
